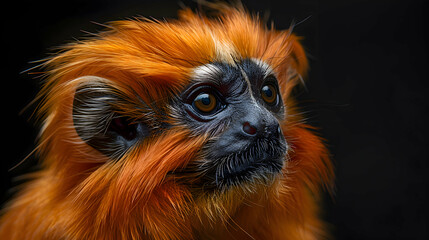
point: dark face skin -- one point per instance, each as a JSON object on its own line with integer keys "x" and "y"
{"x": 240, "y": 106}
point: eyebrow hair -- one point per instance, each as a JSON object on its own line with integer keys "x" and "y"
{"x": 214, "y": 72}
{"x": 206, "y": 72}
{"x": 266, "y": 68}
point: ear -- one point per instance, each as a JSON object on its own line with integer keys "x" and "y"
{"x": 299, "y": 58}
{"x": 294, "y": 62}
{"x": 97, "y": 121}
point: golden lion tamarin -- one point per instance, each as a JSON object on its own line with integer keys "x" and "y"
{"x": 181, "y": 129}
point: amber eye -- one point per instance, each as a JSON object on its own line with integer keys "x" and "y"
{"x": 205, "y": 103}
{"x": 269, "y": 94}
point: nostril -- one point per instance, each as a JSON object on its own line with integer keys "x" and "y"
{"x": 249, "y": 129}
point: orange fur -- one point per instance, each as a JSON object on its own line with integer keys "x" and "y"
{"x": 80, "y": 194}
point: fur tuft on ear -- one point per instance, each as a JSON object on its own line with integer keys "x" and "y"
{"x": 97, "y": 120}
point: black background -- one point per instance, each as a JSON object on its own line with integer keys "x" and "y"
{"x": 366, "y": 91}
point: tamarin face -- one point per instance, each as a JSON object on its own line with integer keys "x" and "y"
{"x": 239, "y": 105}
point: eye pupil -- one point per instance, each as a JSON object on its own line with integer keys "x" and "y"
{"x": 267, "y": 91}
{"x": 205, "y": 99}
{"x": 205, "y": 103}
{"x": 269, "y": 94}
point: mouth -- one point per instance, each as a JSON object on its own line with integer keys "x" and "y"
{"x": 258, "y": 162}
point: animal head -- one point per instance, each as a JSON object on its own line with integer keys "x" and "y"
{"x": 153, "y": 121}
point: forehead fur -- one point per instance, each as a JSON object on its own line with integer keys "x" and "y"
{"x": 162, "y": 55}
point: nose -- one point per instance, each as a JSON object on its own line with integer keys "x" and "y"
{"x": 249, "y": 129}
{"x": 261, "y": 128}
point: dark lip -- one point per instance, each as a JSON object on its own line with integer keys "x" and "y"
{"x": 248, "y": 170}
{"x": 249, "y": 164}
